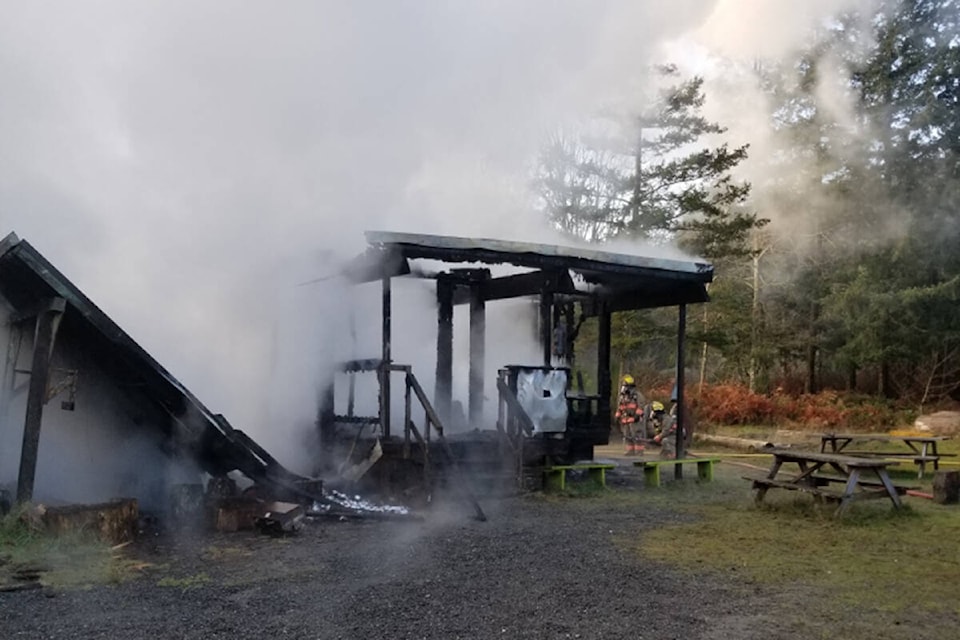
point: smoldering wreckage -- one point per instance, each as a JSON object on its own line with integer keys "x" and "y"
{"x": 88, "y": 414}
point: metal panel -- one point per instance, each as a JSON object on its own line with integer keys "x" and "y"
{"x": 543, "y": 395}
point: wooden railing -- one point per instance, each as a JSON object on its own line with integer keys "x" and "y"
{"x": 431, "y": 423}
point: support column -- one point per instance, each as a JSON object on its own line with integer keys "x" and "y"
{"x": 681, "y": 365}
{"x": 325, "y": 417}
{"x": 603, "y": 365}
{"x": 478, "y": 341}
{"x": 443, "y": 391}
{"x": 385, "y": 358}
{"x": 48, "y": 321}
{"x": 546, "y": 326}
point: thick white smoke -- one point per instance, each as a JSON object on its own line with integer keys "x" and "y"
{"x": 188, "y": 164}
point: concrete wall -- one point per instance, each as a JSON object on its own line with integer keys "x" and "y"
{"x": 109, "y": 446}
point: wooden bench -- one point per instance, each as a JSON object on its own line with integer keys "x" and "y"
{"x": 820, "y": 487}
{"x": 555, "y": 477}
{"x": 651, "y": 468}
{"x": 817, "y": 490}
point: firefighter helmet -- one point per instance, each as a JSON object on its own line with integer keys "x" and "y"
{"x": 656, "y": 406}
{"x": 628, "y": 379}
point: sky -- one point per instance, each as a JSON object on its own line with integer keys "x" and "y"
{"x": 189, "y": 164}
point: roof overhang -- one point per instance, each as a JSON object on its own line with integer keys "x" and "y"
{"x": 621, "y": 281}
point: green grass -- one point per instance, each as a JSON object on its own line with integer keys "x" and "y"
{"x": 69, "y": 560}
{"x": 185, "y": 583}
{"x": 896, "y": 564}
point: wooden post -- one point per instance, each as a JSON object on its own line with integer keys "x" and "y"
{"x": 681, "y": 333}
{"x": 325, "y": 419}
{"x": 603, "y": 364}
{"x": 478, "y": 332}
{"x": 443, "y": 391}
{"x": 546, "y": 329}
{"x": 48, "y": 321}
{"x": 385, "y": 358}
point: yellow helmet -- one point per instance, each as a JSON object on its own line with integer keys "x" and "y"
{"x": 656, "y": 406}
{"x": 628, "y": 379}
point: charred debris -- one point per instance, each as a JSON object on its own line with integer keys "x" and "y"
{"x": 87, "y": 415}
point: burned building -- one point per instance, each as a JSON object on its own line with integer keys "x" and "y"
{"x": 543, "y": 415}
{"x": 87, "y": 415}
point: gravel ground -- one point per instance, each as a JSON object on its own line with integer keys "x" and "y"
{"x": 536, "y": 569}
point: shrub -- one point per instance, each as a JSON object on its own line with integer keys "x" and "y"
{"x": 734, "y": 404}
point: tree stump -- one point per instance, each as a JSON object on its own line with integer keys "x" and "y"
{"x": 946, "y": 487}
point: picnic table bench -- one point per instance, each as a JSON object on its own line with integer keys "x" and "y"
{"x": 819, "y": 472}
{"x": 651, "y": 468}
{"x": 555, "y": 476}
{"x": 920, "y": 449}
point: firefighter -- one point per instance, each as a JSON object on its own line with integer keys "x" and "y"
{"x": 667, "y": 438}
{"x": 656, "y": 414}
{"x": 628, "y": 416}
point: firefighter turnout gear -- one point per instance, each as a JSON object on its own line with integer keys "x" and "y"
{"x": 629, "y": 416}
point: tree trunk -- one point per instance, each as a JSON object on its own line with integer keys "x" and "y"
{"x": 852, "y": 378}
{"x": 811, "y": 385}
{"x": 886, "y": 388}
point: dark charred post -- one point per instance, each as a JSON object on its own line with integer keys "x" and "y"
{"x": 327, "y": 420}
{"x": 444, "y": 382}
{"x": 546, "y": 328}
{"x": 568, "y": 335}
{"x": 407, "y": 418}
{"x": 48, "y": 321}
{"x": 386, "y": 361}
{"x": 681, "y": 334}
{"x": 478, "y": 342}
{"x": 603, "y": 364}
{"x": 351, "y": 394}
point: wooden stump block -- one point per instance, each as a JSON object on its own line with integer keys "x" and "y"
{"x": 236, "y": 514}
{"x": 113, "y": 522}
{"x": 946, "y": 487}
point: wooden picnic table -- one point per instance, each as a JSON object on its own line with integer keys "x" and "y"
{"x": 819, "y": 472}
{"x": 920, "y": 449}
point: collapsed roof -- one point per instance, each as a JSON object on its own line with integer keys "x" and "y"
{"x": 27, "y": 280}
{"x": 619, "y": 281}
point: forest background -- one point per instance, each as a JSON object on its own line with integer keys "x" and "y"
{"x": 835, "y": 248}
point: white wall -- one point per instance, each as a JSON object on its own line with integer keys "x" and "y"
{"x": 107, "y": 447}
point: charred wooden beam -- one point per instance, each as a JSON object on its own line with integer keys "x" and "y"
{"x": 681, "y": 334}
{"x": 368, "y": 364}
{"x": 384, "y": 370}
{"x": 443, "y": 390}
{"x": 604, "y": 385}
{"x": 478, "y": 333}
{"x": 48, "y": 321}
{"x": 326, "y": 422}
{"x": 519, "y": 285}
{"x": 546, "y": 326}
{"x": 656, "y": 268}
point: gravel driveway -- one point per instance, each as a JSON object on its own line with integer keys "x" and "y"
{"x": 538, "y": 568}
